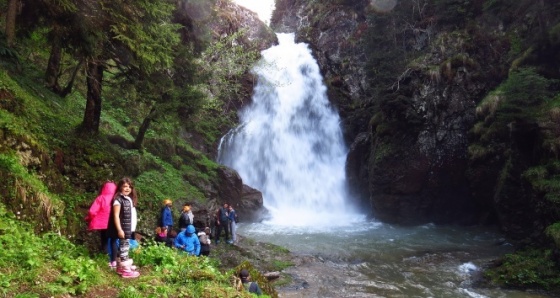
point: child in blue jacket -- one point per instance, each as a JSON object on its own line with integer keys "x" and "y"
{"x": 166, "y": 217}
{"x": 188, "y": 241}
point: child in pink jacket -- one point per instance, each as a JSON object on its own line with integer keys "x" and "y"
{"x": 98, "y": 215}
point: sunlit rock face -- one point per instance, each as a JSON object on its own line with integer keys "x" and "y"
{"x": 207, "y": 20}
{"x": 234, "y": 16}
{"x": 408, "y": 134}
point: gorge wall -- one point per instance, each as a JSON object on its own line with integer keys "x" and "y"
{"x": 409, "y": 78}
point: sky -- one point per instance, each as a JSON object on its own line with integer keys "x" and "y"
{"x": 262, "y": 7}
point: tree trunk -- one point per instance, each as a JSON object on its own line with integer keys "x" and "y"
{"x": 11, "y": 22}
{"x": 53, "y": 67}
{"x": 92, "y": 114}
{"x": 144, "y": 128}
{"x": 70, "y": 84}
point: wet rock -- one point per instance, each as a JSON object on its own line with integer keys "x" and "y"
{"x": 272, "y": 275}
{"x": 247, "y": 201}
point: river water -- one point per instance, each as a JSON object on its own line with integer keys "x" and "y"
{"x": 372, "y": 259}
{"x": 290, "y": 146}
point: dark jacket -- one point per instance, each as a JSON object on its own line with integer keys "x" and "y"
{"x": 223, "y": 215}
{"x": 252, "y": 287}
{"x": 185, "y": 220}
{"x": 125, "y": 217}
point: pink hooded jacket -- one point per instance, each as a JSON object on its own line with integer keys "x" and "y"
{"x": 98, "y": 215}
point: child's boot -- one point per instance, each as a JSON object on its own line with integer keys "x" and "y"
{"x": 126, "y": 271}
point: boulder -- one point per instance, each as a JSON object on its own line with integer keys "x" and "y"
{"x": 247, "y": 201}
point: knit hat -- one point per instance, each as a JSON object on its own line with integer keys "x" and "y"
{"x": 244, "y": 274}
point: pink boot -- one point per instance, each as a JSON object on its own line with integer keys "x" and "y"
{"x": 127, "y": 270}
{"x": 129, "y": 273}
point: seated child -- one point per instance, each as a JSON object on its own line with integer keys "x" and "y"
{"x": 204, "y": 237}
{"x": 161, "y": 234}
{"x": 171, "y": 238}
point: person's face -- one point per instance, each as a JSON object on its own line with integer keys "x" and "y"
{"x": 226, "y": 206}
{"x": 230, "y": 208}
{"x": 126, "y": 189}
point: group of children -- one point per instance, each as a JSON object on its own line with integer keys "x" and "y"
{"x": 113, "y": 214}
{"x": 225, "y": 219}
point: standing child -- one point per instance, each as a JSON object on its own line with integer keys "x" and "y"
{"x": 166, "y": 219}
{"x": 233, "y": 225}
{"x": 186, "y": 218}
{"x": 120, "y": 227}
{"x": 98, "y": 214}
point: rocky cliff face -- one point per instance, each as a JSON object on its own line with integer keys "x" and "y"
{"x": 232, "y": 18}
{"x": 407, "y": 79}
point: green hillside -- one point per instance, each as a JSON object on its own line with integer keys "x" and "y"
{"x": 91, "y": 92}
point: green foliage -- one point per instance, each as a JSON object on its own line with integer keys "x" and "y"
{"x": 148, "y": 33}
{"x": 224, "y": 63}
{"x": 545, "y": 179}
{"x": 553, "y": 231}
{"x": 516, "y": 45}
{"x": 519, "y": 99}
{"x": 524, "y": 269}
{"x": 20, "y": 186}
{"x": 525, "y": 88}
{"x": 158, "y": 184}
{"x": 524, "y": 99}
{"x": 47, "y": 263}
{"x": 157, "y": 255}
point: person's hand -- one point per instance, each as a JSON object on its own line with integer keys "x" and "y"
{"x": 120, "y": 233}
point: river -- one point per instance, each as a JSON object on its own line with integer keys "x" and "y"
{"x": 372, "y": 259}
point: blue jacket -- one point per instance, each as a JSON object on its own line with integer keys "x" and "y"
{"x": 166, "y": 217}
{"x": 232, "y": 215}
{"x": 188, "y": 241}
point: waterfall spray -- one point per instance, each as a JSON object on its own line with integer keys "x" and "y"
{"x": 289, "y": 144}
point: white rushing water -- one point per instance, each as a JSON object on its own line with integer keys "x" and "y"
{"x": 289, "y": 145}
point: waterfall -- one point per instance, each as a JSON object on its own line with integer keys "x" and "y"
{"x": 289, "y": 144}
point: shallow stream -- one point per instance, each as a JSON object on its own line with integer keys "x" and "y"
{"x": 381, "y": 260}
